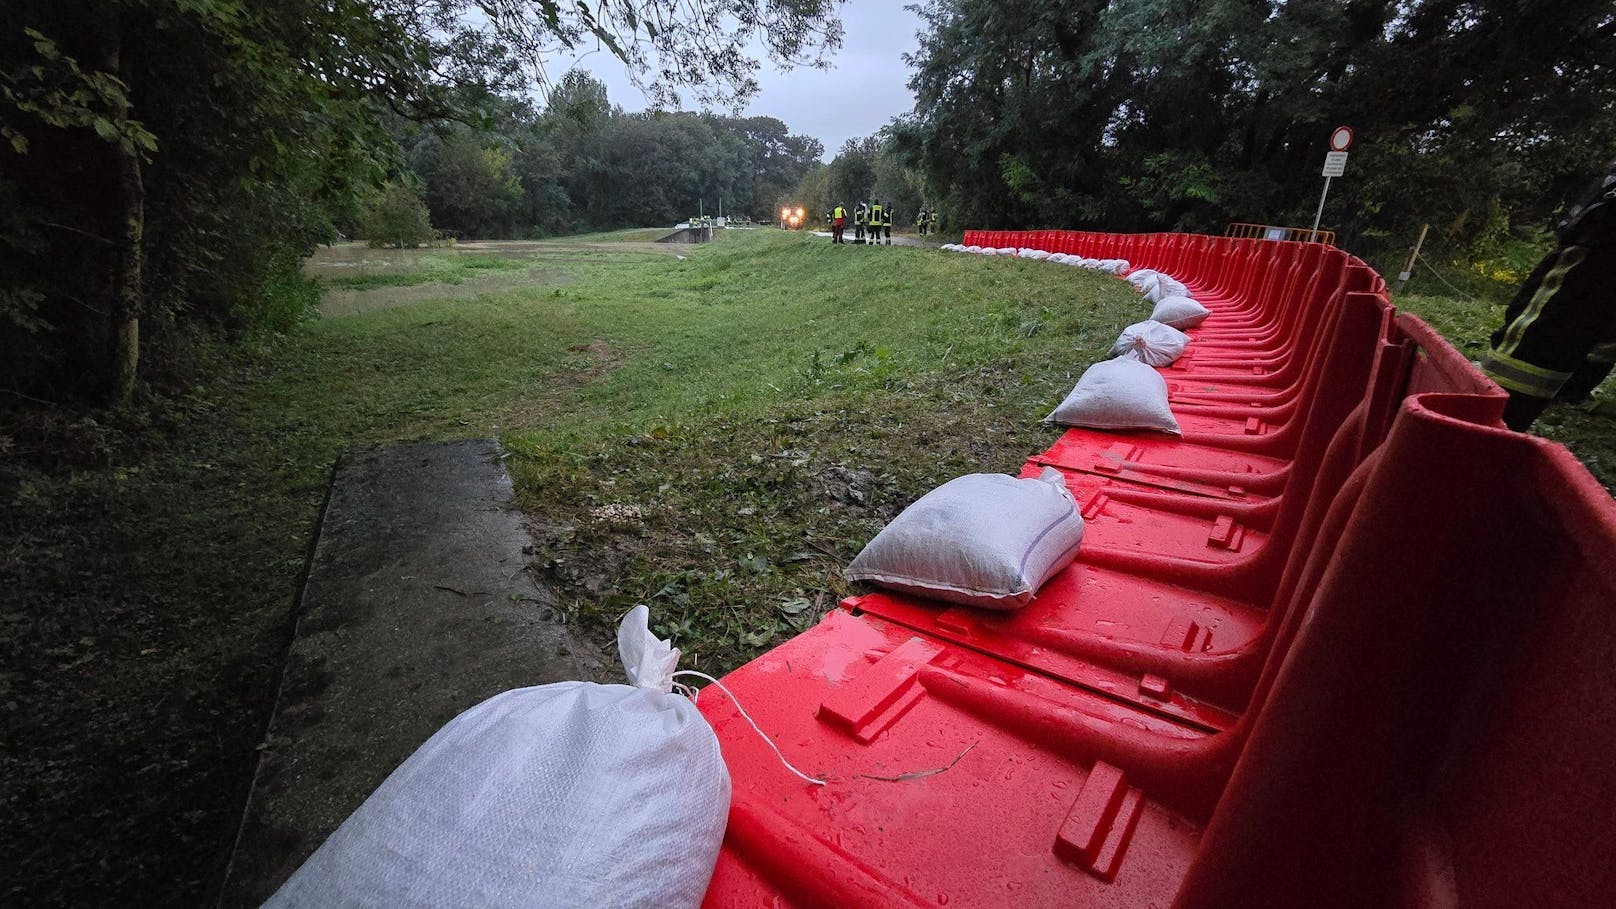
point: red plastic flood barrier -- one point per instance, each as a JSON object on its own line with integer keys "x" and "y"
{"x": 1377, "y": 673}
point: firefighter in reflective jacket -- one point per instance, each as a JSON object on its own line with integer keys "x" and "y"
{"x": 861, "y": 217}
{"x": 838, "y": 223}
{"x": 878, "y": 220}
{"x": 1558, "y": 340}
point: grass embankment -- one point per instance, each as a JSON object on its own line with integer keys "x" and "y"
{"x": 718, "y": 436}
{"x": 714, "y": 436}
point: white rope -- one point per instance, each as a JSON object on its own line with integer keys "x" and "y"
{"x": 1432, "y": 269}
{"x": 755, "y": 728}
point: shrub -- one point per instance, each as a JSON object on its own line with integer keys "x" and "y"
{"x": 397, "y": 218}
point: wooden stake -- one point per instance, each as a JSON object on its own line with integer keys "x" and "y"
{"x": 1413, "y": 254}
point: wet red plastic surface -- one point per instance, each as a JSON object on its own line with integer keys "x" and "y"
{"x": 1348, "y": 642}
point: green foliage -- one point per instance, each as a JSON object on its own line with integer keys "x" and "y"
{"x": 1186, "y": 114}
{"x": 397, "y": 218}
{"x": 582, "y": 164}
{"x": 668, "y": 47}
{"x": 866, "y": 168}
{"x": 222, "y": 136}
{"x": 54, "y": 90}
{"x": 284, "y": 299}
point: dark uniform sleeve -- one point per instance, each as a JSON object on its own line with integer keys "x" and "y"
{"x": 1559, "y": 332}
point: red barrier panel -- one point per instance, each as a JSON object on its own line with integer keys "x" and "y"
{"x": 1439, "y": 735}
{"x": 1359, "y": 659}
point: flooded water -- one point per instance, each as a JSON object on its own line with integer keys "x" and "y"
{"x": 548, "y": 259}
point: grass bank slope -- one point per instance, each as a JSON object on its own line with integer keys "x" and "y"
{"x": 714, "y": 435}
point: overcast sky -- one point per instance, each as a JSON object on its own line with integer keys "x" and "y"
{"x": 865, "y": 88}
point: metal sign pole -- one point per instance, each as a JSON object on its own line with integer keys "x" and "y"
{"x": 1313, "y": 236}
{"x": 1335, "y": 164}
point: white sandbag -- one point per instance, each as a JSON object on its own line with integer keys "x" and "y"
{"x": 1038, "y": 254}
{"x": 985, "y": 539}
{"x": 988, "y": 251}
{"x": 572, "y": 794}
{"x": 1150, "y": 284}
{"x": 973, "y": 249}
{"x": 1118, "y": 394}
{"x": 1180, "y": 312}
{"x": 1008, "y": 251}
{"x": 1058, "y": 258}
{"x": 1151, "y": 342}
{"x": 1140, "y": 276}
{"x": 1166, "y": 287}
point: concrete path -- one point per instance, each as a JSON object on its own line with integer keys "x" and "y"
{"x": 896, "y": 241}
{"x": 417, "y": 606}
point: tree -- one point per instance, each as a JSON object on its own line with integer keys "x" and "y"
{"x": 167, "y": 161}
{"x": 471, "y": 185}
{"x": 1184, "y": 114}
{"x": 667, "y": 47}
{"x": 866, "y": 168}
{"x": 397, "y": 218}
{"x": 852, "y": 172}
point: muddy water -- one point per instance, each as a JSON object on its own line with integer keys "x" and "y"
{"x": 547, "y": 257}
{"x": 349, "y": 301}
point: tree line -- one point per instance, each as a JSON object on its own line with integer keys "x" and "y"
{"x": 165, "y": 165}
{"x": 864, "y": 169}
{"x": 581, "y": 163}
{"x": 1479, "y": 116}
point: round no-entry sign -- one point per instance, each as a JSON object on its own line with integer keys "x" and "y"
{"x": 1341, "y": 139}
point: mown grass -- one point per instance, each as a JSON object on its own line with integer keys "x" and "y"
{"x": 758, "y": 409}
{"x": 754, "y": 412}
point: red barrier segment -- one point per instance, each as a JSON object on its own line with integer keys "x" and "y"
{"x": 910, "y": 720}
{"x": 1133, "y": 754}
{"x": 936, "y": 757}
{"x": 1438, "y": 734}
{"x": 1206, "y": 637}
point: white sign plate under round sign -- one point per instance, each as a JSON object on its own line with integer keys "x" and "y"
{"x": 1341, "y": 139}
{"x": 1335, "y": 164}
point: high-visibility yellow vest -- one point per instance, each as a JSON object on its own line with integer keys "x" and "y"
{"x": 840, "y": 212}
{"x": 875, "y": 216}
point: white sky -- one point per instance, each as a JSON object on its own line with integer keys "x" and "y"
{"x": 865, "y": 88}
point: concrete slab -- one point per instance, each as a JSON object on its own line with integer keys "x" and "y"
{"x": 415, "y": 608}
